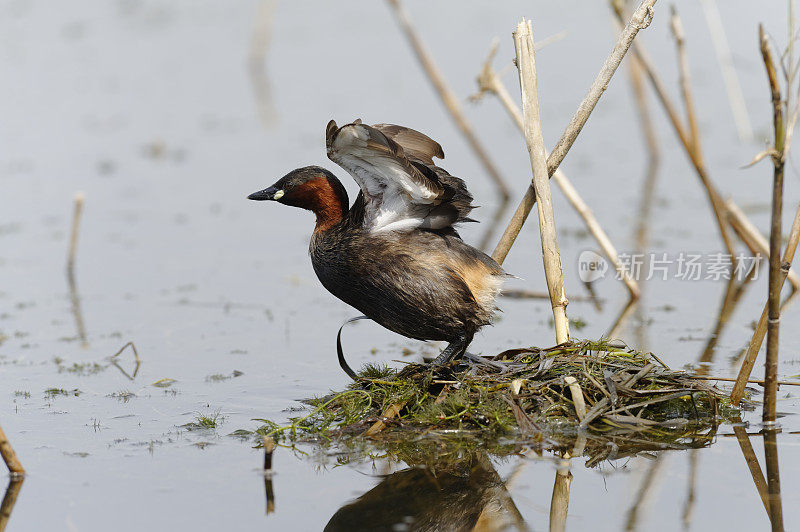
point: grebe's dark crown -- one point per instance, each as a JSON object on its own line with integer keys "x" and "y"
{"x": 287, "y": 190}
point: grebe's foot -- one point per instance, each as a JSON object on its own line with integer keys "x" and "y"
{"x": 454, "y": 350}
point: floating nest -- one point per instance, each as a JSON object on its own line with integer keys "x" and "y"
{"x": 600, "y": 391}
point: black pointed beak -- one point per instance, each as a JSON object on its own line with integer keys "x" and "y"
{"x": 266, "y": 194}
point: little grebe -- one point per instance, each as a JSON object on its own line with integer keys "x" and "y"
{"x": 394, "y": 255}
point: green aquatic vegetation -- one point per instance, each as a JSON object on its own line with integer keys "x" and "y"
{"x": 205, "y": 422}
{"x": 220, "y": 377}
{"x": 596, "y": 387}
{"x": 49, "y": 393}
{"x": 82, "y": 368}
{"x": 20, "y": 393}
{"x": 122, "y": 395}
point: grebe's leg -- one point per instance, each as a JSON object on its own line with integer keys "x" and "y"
{"x": 454, "y": 349}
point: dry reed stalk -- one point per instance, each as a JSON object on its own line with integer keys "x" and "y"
{"x": 489, "y": 81}
{"x": 725, "y": 59}
{"x": 753, "y": 238}
{"x": 676, "y": 26}
{"x": 658, "y": 86}
{"x": 526, "y": 62}
{"x": 76, "y": 223}
{"x": 448, "y": 97}
{"x": 9, "y": 456}
{"x": 775, "y": 280}
{"x": 640, "y": 19}
{"x": 761, "y": 329}
{"x": 257, "y": 61}
{"x": 773, "y": 479}
{"x": 751, "y": 381}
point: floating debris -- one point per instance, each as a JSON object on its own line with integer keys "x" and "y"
{"x": 164, "y": 383}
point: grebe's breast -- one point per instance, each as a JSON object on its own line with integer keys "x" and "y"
{"x": 420, "y": 284}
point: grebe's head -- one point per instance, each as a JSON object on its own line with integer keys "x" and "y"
{"x": 313, "y": 188}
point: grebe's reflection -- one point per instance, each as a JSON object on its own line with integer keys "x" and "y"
{"x": 469, "y": 495}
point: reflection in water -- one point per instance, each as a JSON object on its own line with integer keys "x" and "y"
{"x": 752, "y": 463}
{"x": 644, "y": 492}
{"x": 137, "y": 361}
{"x": 733, "y": 294}
{"x": 559, "y": 502}
{"x": 688, "y": 506}
{"x": 630, "y": 306}
{"x": 769, "y": 489}
{"x": 9, "y": 500}
{"x": 467, "y": 495}
{"x": 773, "y": 479}
{"x": 269, "y": 492}
{"x": 453, "y": 488}
{"x": 75, "y": 302}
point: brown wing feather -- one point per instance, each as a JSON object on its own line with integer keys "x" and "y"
{"x": 394, "y": 167}
{"x": 414, "y": 143}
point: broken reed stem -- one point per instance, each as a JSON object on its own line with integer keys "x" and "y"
{"x": 577, "y": 396}
{"x": 753, "y": 238}
{"x": 489, "y": 81}
{"x": 694, "y": 157}
{"x": 730, "y": 379}
{"x": 73, "y": 241}
{"x": 9, "y": 456}
{"x": 676, "y": 26}
{"x": 526, "y": 62}
{"x": 269, "y": 448}
{"x": 775, "y": 281}
{"x": 641, "y": 19}
{"x": 448, "y": 97}
{"x": 133, "y": 348}
{"x": 391, "y": 412}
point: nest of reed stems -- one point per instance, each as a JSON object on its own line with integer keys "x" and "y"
{"x": 617, "y": 399}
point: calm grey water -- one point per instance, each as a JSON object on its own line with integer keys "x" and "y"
{"x": 155, "y": 111}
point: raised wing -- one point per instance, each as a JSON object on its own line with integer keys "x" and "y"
{"x": 393, "y": 165}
